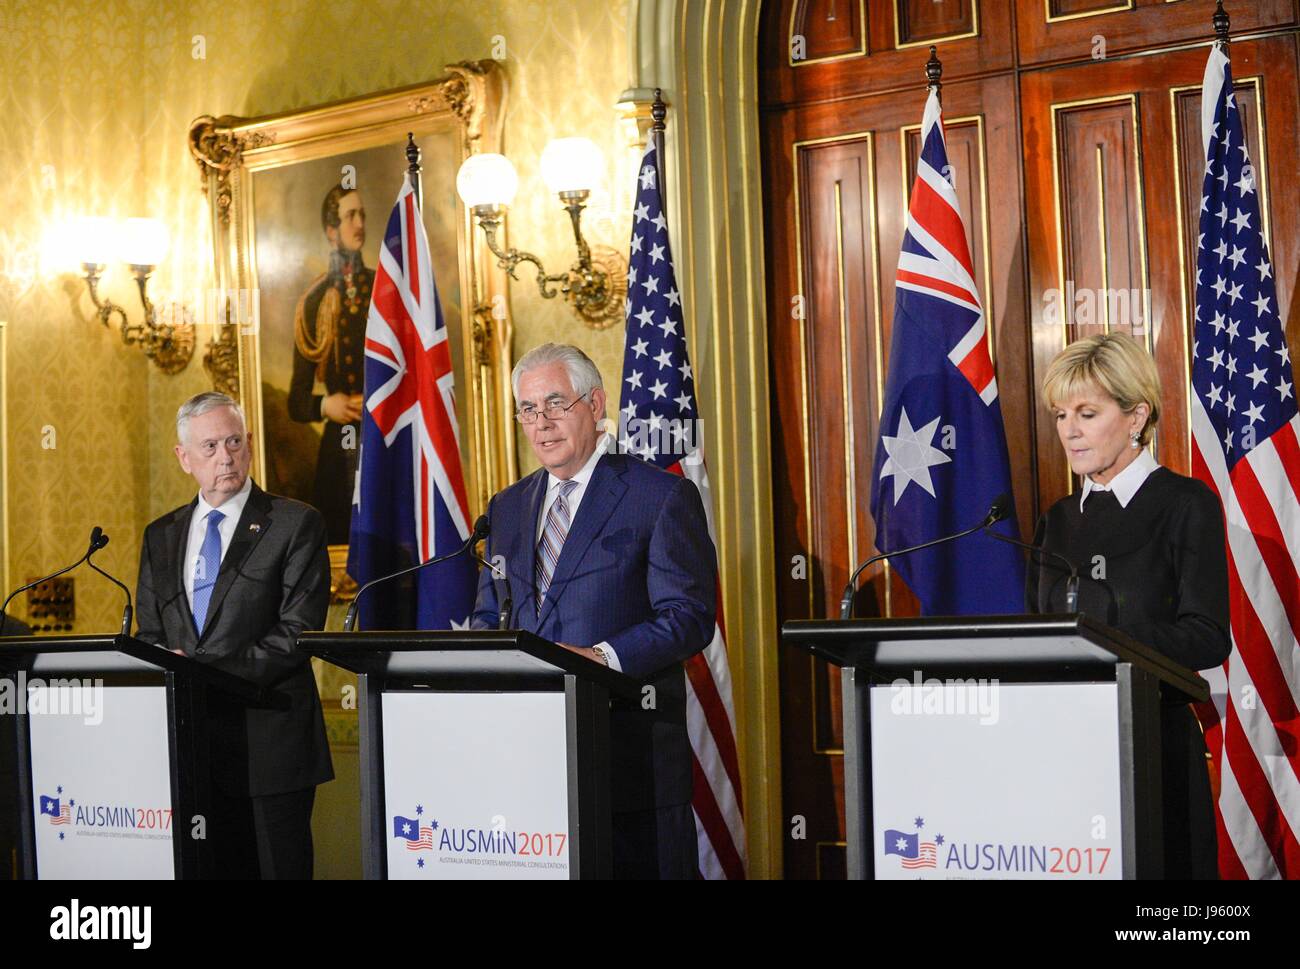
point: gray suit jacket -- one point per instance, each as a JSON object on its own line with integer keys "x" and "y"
{"x": 273, "y": 584}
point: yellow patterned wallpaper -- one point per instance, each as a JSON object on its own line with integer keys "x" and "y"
{"x": 96, "y": 100}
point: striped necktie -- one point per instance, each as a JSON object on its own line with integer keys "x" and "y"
{"x": 206, "y": 567}
{"x": 553, "y": 535}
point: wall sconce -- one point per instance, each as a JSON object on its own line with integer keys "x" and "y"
{"x": 141, "y": 244}
{"x": 594, "y": 285}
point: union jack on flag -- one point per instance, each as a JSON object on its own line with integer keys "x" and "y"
{"x": 1244, "y": 446}
{"x": 659, "y": 423}
{"x": 410, "y": 503}
{"x": 941, "y": 436}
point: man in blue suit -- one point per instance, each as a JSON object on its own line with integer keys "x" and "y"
{"x": 611, "y": 558}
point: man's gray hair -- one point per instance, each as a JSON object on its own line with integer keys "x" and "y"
{"x": 200, "y": 404}
{"x": 583, "y": 374}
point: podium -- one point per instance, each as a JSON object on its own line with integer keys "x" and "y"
{"x": 999, "y": 746}
{"x": 484, "y": 754}
{"x": 110, "y": 753}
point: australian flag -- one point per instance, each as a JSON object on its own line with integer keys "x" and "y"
{"x": 409, "y": 504}
{"x": 901, "y": 843}
{"x": 942, "y": 456}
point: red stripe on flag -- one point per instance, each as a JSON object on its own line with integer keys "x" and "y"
{"x": 1260, "y": 798}
{"x": 425, "y": 539}
{"x": 977, "y": 367}
{"x": 1288, "y": 452}
{"x": 376, "y": 347}
{"x": 1256, "y": 649}
{"x": 1230, "y": 867}
{"x": 412, "y": 253}
{"x": 934, "y": 282}
{"x": 715, "y": 715}
{"x": 1263, "y": 524}
{"x": 718, "y": 725}
{"x": 1260, "y": 662}
{"x": 710, "y": 817}
{"x": 428, "y": 366}
{"x": 1261, "y": 666}
{"x": 934, "y": 214}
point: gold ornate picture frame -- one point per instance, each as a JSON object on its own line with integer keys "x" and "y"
{"x": 264, "y": 179}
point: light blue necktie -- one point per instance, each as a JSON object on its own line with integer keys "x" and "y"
{"x": 206, "y": 567}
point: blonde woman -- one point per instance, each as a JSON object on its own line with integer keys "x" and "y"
{"x": 1149, "y": 545}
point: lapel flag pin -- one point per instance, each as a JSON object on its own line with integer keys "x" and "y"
{"x": 254, "y": 527}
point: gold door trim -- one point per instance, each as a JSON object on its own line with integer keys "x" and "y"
{"x": 1052, "y": 18}
{"x": 1101, "y": 238}
{"x": 973, "y": 32}
{"x": 846, "y": 365}
{"x": 859, "y": 51}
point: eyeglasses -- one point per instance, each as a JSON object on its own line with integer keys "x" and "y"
{"x": 554, "y": 410}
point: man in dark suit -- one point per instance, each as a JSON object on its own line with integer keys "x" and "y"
{"x": 610, "y": 557}
{"x": 231, "y": 579}
{"x": 329, "y": 330}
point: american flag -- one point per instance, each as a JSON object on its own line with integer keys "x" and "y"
{"x": 422, "y": 843}
{"x": 1244, "y": 446}
{"x": 941, "y": 459}
{"x": 409, "y": 504}
{"x": 927, "y": 856}
{"x": 659, "y": 422}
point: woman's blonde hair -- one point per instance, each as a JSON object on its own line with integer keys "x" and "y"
{"x": 1112, "y": 363}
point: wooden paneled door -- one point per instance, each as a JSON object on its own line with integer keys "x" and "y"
{"x": 1073, "y": 132}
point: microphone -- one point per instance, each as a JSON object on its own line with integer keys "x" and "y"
{"x": 480, "y": 532}
{"x": 97, "y": 541}
{"x": 507, "y": 607}
{"x": 997, "y": 511}
{"x": 1071, "y": 584}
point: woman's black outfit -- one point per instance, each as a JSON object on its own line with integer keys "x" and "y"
{"x": 1157, "y": 570}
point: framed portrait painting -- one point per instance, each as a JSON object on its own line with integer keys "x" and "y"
{"x": 299, "y": 203}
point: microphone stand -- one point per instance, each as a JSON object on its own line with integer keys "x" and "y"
{"x": 1071, "y": 584}
{"x": 477, "y": 535}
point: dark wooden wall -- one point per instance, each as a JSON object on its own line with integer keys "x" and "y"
{"x": 1073, "y": 129}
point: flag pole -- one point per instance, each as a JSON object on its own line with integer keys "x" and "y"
{"x": 413, "y": 167}
{"x": 1221, "y": 27}
{"x": 934, "y": 72}
{"x": 658, "y": 112}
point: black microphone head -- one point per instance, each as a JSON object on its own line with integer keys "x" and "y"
{"x": 1000, "y": 509}
{"x": 481, "y": 528}
{"x": 97, "y": 538}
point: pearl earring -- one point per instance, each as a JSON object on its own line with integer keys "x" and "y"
{"x": 1133, "y": 439}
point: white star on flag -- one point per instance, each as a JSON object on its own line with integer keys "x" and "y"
{"x": 910, "y": 456}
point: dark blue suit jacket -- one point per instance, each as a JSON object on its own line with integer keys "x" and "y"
{"x": 638, "y": 571}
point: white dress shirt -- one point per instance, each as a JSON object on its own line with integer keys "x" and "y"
{"x": 1125, "y": 484}
{"x": 583, "y": 478}
{"x": 232, "y": 508}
